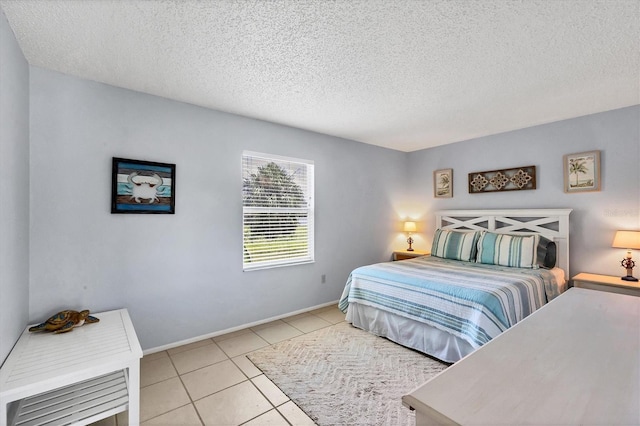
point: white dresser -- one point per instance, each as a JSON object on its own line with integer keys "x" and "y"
{"x": 575, "y": 361}
{"x": 78, "y": 377}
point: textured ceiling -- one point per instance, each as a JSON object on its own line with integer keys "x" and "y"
{"x": 403, "y": 74}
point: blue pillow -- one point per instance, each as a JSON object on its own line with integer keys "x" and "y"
{"x": 455, "y": 245}
{"x": 518, "y": 251}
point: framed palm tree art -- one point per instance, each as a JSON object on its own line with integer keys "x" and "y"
{"x": 443, "y": 183}
{"x": 582, "y": 172}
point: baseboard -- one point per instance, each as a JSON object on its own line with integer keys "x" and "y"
{"x": 232, "y": 329}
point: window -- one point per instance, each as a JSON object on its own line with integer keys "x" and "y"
{"x": 277, "y": 210}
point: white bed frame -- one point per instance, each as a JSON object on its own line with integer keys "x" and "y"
{"x": 550, "y": 223}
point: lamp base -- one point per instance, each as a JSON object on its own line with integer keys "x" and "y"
{"x": 410, "y": 241}
{"x": 628, "y": 264}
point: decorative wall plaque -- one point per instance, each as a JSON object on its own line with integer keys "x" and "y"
{"x": 582, "y": 172}
{"x": 142, "y": 187}
{"x": 516, "y": 179}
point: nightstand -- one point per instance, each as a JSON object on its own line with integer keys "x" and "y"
{"x": 606, "y": 283}
{"x": 404, "y": 254}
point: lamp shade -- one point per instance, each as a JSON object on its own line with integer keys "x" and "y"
{"x": 409, "y": 227}
{"x": 627, "y": 240}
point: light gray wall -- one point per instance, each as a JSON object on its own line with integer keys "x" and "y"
{"x": 181, "y": 275}
{"x": 596, "y": 215}
{"x": 14, "y": 189}
{"x": 188, "y": 267}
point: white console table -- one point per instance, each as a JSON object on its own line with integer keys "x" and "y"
{"x": 78, "y": 377}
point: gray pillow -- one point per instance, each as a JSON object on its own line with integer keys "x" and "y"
{"x": 546, "y": 253}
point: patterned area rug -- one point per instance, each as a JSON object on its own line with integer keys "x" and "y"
{"x": 341, "y": 375}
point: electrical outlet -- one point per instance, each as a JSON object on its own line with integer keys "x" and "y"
{"x": 323, "y": 279}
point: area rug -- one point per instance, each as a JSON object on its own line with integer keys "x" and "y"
{"x": 341, "y": 375}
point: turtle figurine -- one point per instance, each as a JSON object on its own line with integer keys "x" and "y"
{"x": 65, "y": 321}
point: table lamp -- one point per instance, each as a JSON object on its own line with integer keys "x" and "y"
{"x": 627, "y": 240}
{"x": 410, "y": 227}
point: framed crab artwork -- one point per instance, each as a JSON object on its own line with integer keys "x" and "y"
{"x": 143, "y": 187}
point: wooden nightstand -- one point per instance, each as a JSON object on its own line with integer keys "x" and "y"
{"x": 404, "y": 254}
{"x": 606, "y": 283}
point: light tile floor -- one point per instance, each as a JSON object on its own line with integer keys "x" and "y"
{"x": 212, "y": 382}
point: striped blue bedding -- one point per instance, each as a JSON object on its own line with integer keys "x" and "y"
{"x": 475, "y": 302}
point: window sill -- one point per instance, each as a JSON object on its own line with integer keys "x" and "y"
{"x": 249, "y": 268}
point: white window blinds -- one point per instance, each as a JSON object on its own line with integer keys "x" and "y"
{"x": 277, "y": 210}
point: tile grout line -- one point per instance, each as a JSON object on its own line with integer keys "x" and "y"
{"x": 185, "y": 390}
{"x": 247, "y": 378}
{"x": 274, "y": 407}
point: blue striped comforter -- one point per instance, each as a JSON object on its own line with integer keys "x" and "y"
{"x": 475, "y": 302}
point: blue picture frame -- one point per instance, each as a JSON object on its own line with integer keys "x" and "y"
{"x": 143, "y": 187}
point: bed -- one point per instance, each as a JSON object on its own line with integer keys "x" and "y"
{"x": 481, "y": 279}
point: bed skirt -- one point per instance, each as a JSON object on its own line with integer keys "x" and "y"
{"x": 410, "y": 333}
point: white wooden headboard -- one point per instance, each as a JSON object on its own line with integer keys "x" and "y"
{"x": 551, "y": 223}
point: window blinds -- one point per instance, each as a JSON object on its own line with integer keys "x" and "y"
{"x": 277, "y": 210}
